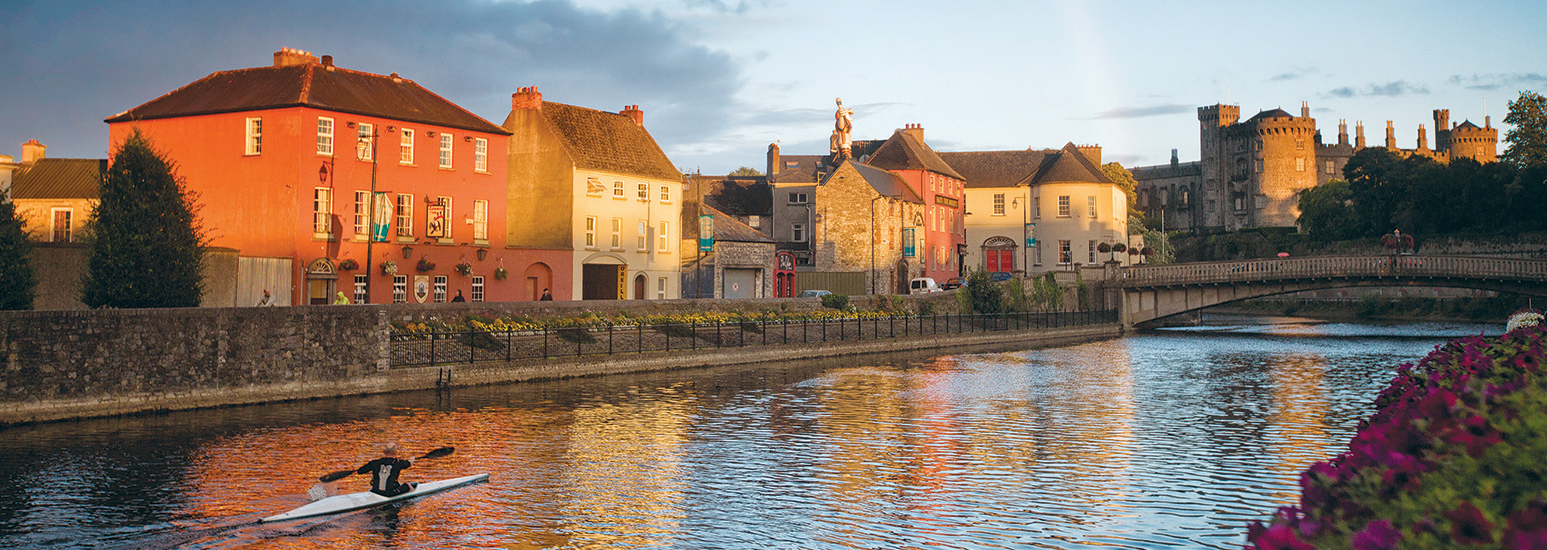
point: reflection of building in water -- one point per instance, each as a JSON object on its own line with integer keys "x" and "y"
{"x": 1084, "y": 420}
{"x": 1298, "y": 434}
{"x": 624, "y": 472}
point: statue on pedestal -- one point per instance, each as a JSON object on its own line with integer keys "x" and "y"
{"x": 842, "y": 127}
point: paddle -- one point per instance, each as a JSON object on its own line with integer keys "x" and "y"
{"x": 341, "y": 474}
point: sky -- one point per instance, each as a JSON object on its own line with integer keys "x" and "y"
{"x": 719, "y": 80}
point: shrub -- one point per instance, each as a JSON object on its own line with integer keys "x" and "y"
{"x": 926, "y": 308}
{"x": 983, "y": 295}
{"x": 1451, "y": 458}
{"x": 18, "y": 278}
{"x": 835, "y": 301}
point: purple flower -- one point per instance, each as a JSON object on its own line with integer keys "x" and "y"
{"x": 1377, "y": 535}
{"x": 1468, "y": 526}
{"x": 1281, "y": 537}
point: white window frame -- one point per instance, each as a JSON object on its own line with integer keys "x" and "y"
{"x": 617, "y": 189}
{"x": 365, "y": 134}
{"x": 322, "y": 211}
{"x": 445, "y": 150}
{"x": 660, "y": 288}
{"x": 399, "y": 289}
{"x": 405, "y": 216}
{"x": 362, "y": 213}
{"x": 643, "y": 239}
{"x": 440, "y": 289}
{"x": 325, "y": 136}
{"x": 69, "y": 231}
{"x": 998, "y": 204}
{"x": 617, "y": 233}
{"x": 360, "y": 282}
{"x": 798, "y": 232}
{"x": 254, "y": 142}
{"x": 1092, "y": 250}
{"x": 481, "y": 155}
{"x": 665, "y": 194}
{"x": 477, "y": 294}
{"x": 405, "y": 153}
{"x": 1065, "y": 252}
{"x": 590, "y": 232}
{"x": 1036, "y": 208}
{"x": 643, "y": 191}
{"x": 1064, "y": 206}
{"x": 663, "y": 244}
{"x": 480, "y": 220}
{"x": 1090, "y": 204}
{"x": 1299, "y": 164}
{"x": 446, "y": 203}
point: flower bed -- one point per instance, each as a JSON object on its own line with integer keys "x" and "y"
{"x": 1455, "y": 456}
{"x": 746, "y": 321}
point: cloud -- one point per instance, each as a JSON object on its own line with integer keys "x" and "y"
{"x": 1390, "y": 89}
{"x": 71, "y": 66}
{"x": 1141, "y": 112}
{"x": 1499, "y": 80}
{"x": 1293, "y": 75}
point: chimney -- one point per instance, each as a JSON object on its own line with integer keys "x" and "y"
{"x": 526, "y": 98}
{"x": 1342, "y": 131}
{"x": 632, "y": 111}
{"x": 1423, "y": 138}
{"x": 1092, "y": 152}
{"x": 1488, "y": 121}
{"x": 32, "y": 151}
{"x": 1174, "y": 160}
{"x": 915, "y": 130}
{"x": 327, "y": 61}
{"x": 1391, "y": 137}
{"x": 286, "y": 57}
{"x": 774, "y": 164}
{"x": 1359, "y": 142}
{"x": 1305, "y": 109}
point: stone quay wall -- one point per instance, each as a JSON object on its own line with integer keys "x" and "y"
{"x": 60, "y": 365}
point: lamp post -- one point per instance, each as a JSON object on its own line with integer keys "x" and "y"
{"x": 361, "y": 143}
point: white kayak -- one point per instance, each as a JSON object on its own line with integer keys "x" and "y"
{"x": 355, "y": 501}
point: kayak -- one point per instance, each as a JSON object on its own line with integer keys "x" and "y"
{"x": 339, "y": 504}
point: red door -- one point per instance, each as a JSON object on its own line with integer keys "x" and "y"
{"x": 999, "y": 260}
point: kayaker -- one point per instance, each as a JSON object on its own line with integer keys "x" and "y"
{"x": 384, "y": 472}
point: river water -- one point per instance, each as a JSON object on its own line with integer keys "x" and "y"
{"x": 1173, "y": 438}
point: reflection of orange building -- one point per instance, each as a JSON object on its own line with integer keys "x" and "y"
{"x": 284, "y": 158}
{"x": 1299, "y": 418}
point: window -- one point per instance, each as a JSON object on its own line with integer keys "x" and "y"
{"x": 665, "y": 193}
{"x": 360, "y": 297}
{"x": 643, "y": 192}
{"x": 477, "y": 288}
{"x": 1299, "y": 165}
{"x": 1036, "y": 207}
{"x": 362, "y": 213}
{"x": 365, "y": 145}
{"x": 662, "y": 242}
{"x": 617, "y": 189}
{"x": 1090, "y": 205}
{"x": 1259, "y": 166}
{"x": 405, "y": 215}
{"x": 324, "y": 136}
{"x": 1300, "y": 144}
{"x": 405, "y": 147}
{"x": 440, "y": 289}
{"x": 63, "y": 229}
{"x": 1331, "y": 167}
{"x": 1092, "y": 252}
{"x": 660, "y": 288}
{"x": 590, "y": 232}
{"x": 998, "y": 204}
{"x": 617, "y": 233}
{"x": 756, "y": 222}
{"x": 255, "y": 136}
{"x": 480, "y": 220}
{"x": 1063, "y": 206}
{"x": 1037, "y": 256}
{"x": 439, "y": 223}
{"x": 643, "y": 239}
{"x": 1212, "y": 205}
{"x": 1065, "y": 254}
{"x": 797, "y": 198}
{"x": 481, "y": 155}
{"x": 445, "y": 150}
{"x": 399, "y": 289}
{"x": 799, "y": 231}
{"x": 321, "y": 210}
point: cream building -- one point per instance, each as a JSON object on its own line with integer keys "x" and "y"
{"x": 54, "y": 197}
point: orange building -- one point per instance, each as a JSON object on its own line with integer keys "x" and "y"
{"x": 284, "y": 160}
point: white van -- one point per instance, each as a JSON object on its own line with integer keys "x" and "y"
{"x": 923, "y": 285}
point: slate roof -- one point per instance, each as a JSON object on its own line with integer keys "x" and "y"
{"x": 798, "y": 169}
{"x": 310, "y": 85}
{"x": 1467, "y": 125}
{"x": 608, "y": 142}
{"x": 737, "y": 195}
{"x": 726, "y": 227}
{"x": 1069, "y": 165}
{"x": 59, "y": 179}
{"x": 884, "y": 182}
{"x": 1276, "y": 113}
{"x": 997, "y": 168}
{"x": 902, "y": 152}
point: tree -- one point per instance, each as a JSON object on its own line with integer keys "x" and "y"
{"x": 18, "y": 279}
{"x": 1124, "y": 179}
{"x": 745, "y": 171}
{"x": 1528, "y": 138}
{"x": 147, "y": 248}
{"x": 1326, "y": 211}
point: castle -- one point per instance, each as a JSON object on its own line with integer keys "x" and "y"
{"x": 1251, "y": 172}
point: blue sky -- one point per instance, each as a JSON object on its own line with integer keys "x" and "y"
{"x": 719, "y": 80}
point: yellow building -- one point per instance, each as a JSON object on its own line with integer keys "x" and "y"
{"x": 597, "y": 185}
{"x": 54, "y": 197}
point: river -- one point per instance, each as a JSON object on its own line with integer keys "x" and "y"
{"x": 1171, "y": 438}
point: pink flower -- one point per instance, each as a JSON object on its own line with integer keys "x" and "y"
{"x": 1377, "y": 535}
{"x": 1468, "y": 526}
{"x": 1281, "y": 537}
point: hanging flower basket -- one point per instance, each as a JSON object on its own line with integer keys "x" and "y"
{"x": 348, "y": 265}
{"x": 500, "y": 274}
{"x": 389, "y": 267}
{"x": 425, "y": 265}
{"x": 464, "y": 269}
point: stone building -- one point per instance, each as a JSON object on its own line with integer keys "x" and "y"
{"x": 739, "y": 265}
{"x": 869, "y": 220}
{"x": 1250, "y": 173}
{"x": 54, "y": 197}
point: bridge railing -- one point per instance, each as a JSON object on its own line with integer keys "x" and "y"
{"x": 1466, "y": 267}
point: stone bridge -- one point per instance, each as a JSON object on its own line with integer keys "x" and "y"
{"x": 1151, "y": 292}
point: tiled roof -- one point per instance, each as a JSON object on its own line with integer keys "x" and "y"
{"x": 1467, "y": 125}
{"x": 1069, "y": 165}
{"x": 997, "y": 168}
{"x": 884, "y": 182}
{"x": 609, "y": 142}
{"x": 59, "y": 179}
{"x": 1276, "y": 113}
{"x": 727, "y": 228}
{"x": 902, "y": 152}
{"x": 738, "y": 195}
{"x": 310, "y": 85}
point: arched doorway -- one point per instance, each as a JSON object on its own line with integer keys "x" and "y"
{"x": 539, "y": 277}
{"x": 999, "y": 254}
{"x": 639, "y": 286}
{"x": 321, "y": 276}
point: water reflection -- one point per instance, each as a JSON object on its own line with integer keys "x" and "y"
{"x": 1174, "y": 438}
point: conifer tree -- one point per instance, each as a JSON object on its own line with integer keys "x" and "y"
{"x": 147, "y": 248}
{"x": 18, "y": 279}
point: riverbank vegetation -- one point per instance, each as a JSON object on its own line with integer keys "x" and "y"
{"x": 1381, "y": 308}
{"x": 1451, "y": 458}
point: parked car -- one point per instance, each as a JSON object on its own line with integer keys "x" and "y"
{"x": 813, "y": 293}
{"x": 999, "y": 276}
{"x": 923, "y": 285}
{"x": 953, "y": 282}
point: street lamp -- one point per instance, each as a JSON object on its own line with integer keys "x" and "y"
{"x": 361, "y": 143}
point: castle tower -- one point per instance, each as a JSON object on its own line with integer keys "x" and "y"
{"x": 1442, "y": 130}
{"x": 1342, "y": 131}
{"x": 1479, "y": 144}
{"x": 1423, "y": 139}
{"x": 1285, "y": 164}
{"x": 1213, "y": 139}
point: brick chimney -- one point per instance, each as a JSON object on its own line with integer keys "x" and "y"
{"x": 31, "y": 151}
{"x": 1391, "y": 137}
{"x": 526, "y": 98}
{"x": 1423, "y": 138}
{"x": 774, "y": 164}
{"x": 286, "y": 57}
{"x": 1359, "y": 127}
{"x": 915, "y": 130}
{"x": 632, "y": 111}
{"x": 1091, "y": 152}
{"x": 1305, "y": 109}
